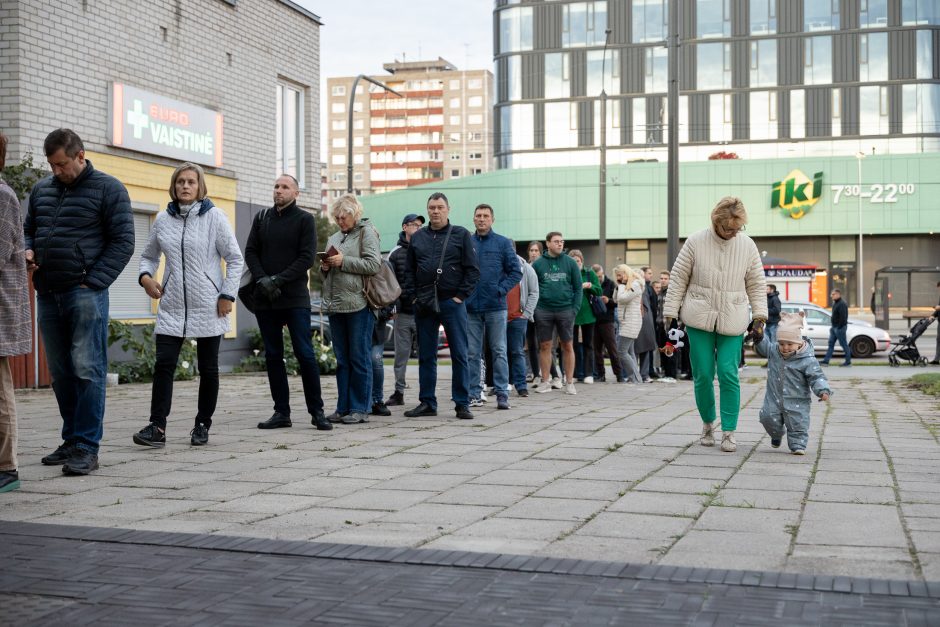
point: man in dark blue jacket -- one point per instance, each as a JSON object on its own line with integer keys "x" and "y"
{"x": 79, "y": 236}
{"x": 773, "y": 312}
{"x": 486, "y": 308}
{"x": 441, "y": 274}
{"x": 840, "y": 323}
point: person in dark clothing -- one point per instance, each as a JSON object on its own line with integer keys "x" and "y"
{"x": 773, "y": 313}
{"x": 79, "y": 235}
{"x": 604, "y": 333}
{"x": 840, "y": 322}
{"x": 406, "y": 333}
{"x": 441, "y": 273}
{"x": 279, "y": 253}
{"x": 649, "y": 372}
{"x": 670, "y": 362}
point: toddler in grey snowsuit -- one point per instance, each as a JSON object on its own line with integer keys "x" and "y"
{"x": 792, "y": 375}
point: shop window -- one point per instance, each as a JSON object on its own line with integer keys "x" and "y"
{"x": 127, "y": 298}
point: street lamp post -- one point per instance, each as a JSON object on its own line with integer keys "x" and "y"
{"x": 602, "y": 208}
{"x": 349, "y": 126}
{"x": 672, "y": 167}
{"x": 861, "y": 256}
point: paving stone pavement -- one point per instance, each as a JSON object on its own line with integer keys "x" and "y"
{"x": 613, "y": 473}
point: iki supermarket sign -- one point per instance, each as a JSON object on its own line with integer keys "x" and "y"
{"x": 795, "y": 195}
{"x": 151, "y": 123}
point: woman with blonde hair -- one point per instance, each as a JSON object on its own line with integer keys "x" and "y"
{"x": 194, "y": 236}
{"x": 717, "y": 274}
{"x": 629, "y": 295}
{"x": 357, "y": 255}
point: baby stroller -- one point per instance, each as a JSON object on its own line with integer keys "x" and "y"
{"x": 906, "y": 348}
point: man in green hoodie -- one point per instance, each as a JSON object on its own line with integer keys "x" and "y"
{"x": 559, "y": 302}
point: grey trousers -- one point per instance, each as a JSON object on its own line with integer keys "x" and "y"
{"x": 7, "y": 416}
{"x": 406, "y": 334}
{"x": 631, "y": 371}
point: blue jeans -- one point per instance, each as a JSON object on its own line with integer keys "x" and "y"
{"x": 494, "y": 324}
{"x": 352, "y": 345}
{"x": 74, "y": 326}
{"x": 771, "y": 332}
{"x": 515, "y": 346}
{"x": 453, "y": 316}
{"x": 297, "y": 320}
{"x": 378, "y": 372}
{"x": 838, "y": 333}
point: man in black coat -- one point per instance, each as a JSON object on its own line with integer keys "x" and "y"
{"x": 604, "y": 332}
{"x": 441, "y": 273}
{"x": 79, "y": 236}
{"x": 280, "y": 251}
{"x": 840, "y": 322}
{"x": 773, "y": 312}
{"x": 406, "y": 333}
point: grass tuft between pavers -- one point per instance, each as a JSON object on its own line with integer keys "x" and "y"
{"x": 928, "y": 383}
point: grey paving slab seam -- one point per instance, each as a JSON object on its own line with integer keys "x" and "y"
{"x": 467, "y": 559}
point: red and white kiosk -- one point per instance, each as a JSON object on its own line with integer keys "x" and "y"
{"x": 794, "y": 280}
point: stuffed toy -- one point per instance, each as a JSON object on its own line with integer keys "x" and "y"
{"x": 675, "y": 341}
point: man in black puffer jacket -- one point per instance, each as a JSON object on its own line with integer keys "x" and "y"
{"x": 406, "y": 333}
{"x": 79, "y": 236}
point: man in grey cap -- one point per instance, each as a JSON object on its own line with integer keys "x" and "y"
{"x": 405, "y": 330}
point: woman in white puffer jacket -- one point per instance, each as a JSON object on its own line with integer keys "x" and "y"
{"x": 717, "y": 273}
{"x": 195, "y": 298}
{"x": 629, "y": 296}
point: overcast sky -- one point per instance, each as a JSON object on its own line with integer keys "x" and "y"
{"x": 358, "y": 36}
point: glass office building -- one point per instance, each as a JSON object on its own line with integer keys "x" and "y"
{"x": 760, "y": 78}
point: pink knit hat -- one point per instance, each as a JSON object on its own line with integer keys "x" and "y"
{"x": 790, "y": 328}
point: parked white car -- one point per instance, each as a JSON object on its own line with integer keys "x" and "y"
{"x": 863, "y": 338}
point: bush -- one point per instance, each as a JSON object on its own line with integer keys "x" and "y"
{"x": 255, "y": 362}
{"x": 138, "y": 342}
{"x": 928, "y": 383}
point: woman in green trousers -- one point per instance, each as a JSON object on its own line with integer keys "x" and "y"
{"x": 717, "y": 273}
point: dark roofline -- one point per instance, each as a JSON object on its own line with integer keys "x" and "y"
{"x": 293, "y": 5}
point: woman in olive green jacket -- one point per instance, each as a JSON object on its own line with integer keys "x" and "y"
{"x": 584, "y": 323}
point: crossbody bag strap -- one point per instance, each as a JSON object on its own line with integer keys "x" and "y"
{"x": 440, "y": 264}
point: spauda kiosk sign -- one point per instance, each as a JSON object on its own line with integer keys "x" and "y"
{"x": 795, "y": 195}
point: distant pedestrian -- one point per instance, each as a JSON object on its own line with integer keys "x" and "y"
{"x": 15, "y": 321}
{"x": 520, "y": 310}
{"x": 651, "y": 304}
{"x": 838, "y": 326}
{"x": 79, "y": 237}
{"x": 281, "y": 248}
{"x": 534, "y": 251}
{"x": 560, "y": 294}
{"x": 441, "y": 273}
{"x": 629, "y": 299}
{"x": 717, "y": 274}
{"x": 773, "y": 311}
{"x": 486, "y": 308}
{"x": 604, "y": 329}
{"x": 353, "y": 253}
{"x": 405, "y": 331}
{"x": 195, "y": 298}
{"x": 793, "y": 377}
{"x": 670, "y": 363}
{"x": 584, "y": 322}
{"x": 379, "y": 337}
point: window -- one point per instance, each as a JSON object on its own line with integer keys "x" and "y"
{"x": 455, "y": 103}
{"x": 358, "y": 141}
{"x": 920, "y": 12}
{"x": 873, "y": 57}
{"x": 476, "y": 137}
{"x": 557, "y": 76}
{"x": 820, "y": 15}
{"x": 713, "y": 66}
{"x": 873, "y": 111}
{"x": 338, "y": 125}
{"x": 764, "y": 63}
{"x": 359, "y": 125}
{"x": 436, "y": 119}
{"x": 513, "y": 81}
{"x": 561, "y": 124}
{"x": 435, "y": 103}
{"x": 474, "y": 83}
{"x": 290, "y": 132}
{"x": 598, "y": 69}
{"x": 639, "y": 120}
{"x": 818, "y": 61}
{"x": 650, "y": 19}
{"x": 719, "y": 123}
{"x": 455, "y": 174}
{"x": 925, "y": 54}
{"x": 455, "y": 156}
{"x": 357, "y": 106}
{"x": 338, "y": 90}
{"x": 127, "y": 299}
{"x": 339, "y": 142}
{"x": 515, "y": 29}
{"x": 339, "y": 176}
{"x": 454, "y": 138}
{"x": 475, "y": 118}
{"x": 713, "y": 18}
{"x": 455, "y": 83}
{"x": 475, "y": 171}
{"x": 338, "y": 159}
{"x": 583, "y": 24}
{"x": 763, "y": 17}
{"x": 338, "y": 107}
{"x": 797, "y": 114}
{"x": 454, "y": 120}
{"x": 836, "y": 112}
{"x": 475, "y": 156}
{"x": 358, "y": 159}
{"x": 763, "y": 115}
{"x": 357, "y": 177}
{"x": 613, "y": 122}
{"x": 657, "y": 70}
{"x": 873, "y": 13}
{"x": 475, "y": 101}
{"x": 517, "y": 127}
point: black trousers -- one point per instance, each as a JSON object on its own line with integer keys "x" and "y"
{"x": 604, "y": 338}
{"x": 168, "y": 352}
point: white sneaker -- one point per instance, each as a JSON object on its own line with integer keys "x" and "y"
{"x": 543, "y": 387}
{"x": 476, "y": 402}
{"x": 588, "y": 380}
{"x": 570, "y": 389}
{"x": 666, "y": 380}
{"x": 557, "y": 384}
{"x": 728, "y": 443}
{"x": 708, "y": 434}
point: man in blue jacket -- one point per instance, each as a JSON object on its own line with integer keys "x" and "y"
{"x": 79, "y": 236}
{"x": 441, "y": 273}
{"x": 839, "y": 325}
{"x": 486, "y": 307}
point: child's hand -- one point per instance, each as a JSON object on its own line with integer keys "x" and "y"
{"x": 824, "y": 397}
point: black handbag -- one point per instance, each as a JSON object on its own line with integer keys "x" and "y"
{"x": 597, "y": 305}
{"x": 247, "y": 286}
{"x": 426, "y": 302}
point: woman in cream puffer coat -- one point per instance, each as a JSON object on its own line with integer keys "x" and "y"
{"x": 629, "y": 295}
{"x": 717, "y": 274}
